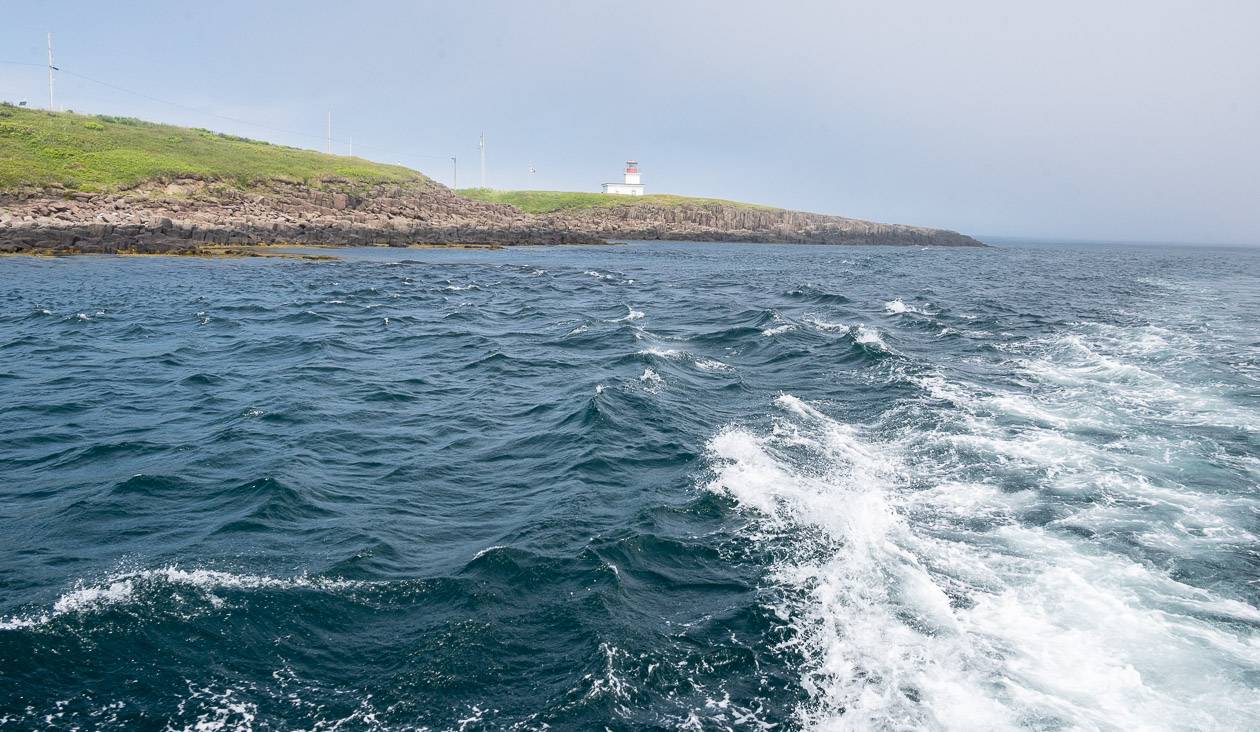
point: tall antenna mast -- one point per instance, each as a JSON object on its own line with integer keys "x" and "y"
{"x": 52, "y": 107}
{"x": 454, "y": 173}
{"x": 330, "y": 132}
{"x": 351, "y": 143}
{"x": 483, "y": 159}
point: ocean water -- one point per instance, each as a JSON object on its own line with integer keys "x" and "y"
{"x": 652, "y": 486}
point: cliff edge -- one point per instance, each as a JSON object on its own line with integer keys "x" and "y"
{"x": 80, "y": 183}
{"x": 684, "y": 218}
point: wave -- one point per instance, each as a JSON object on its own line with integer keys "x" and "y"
{"x": 825, "y": 325}
{"x": 817, "y": 295}
{"x": 780, "y": 325}
{"x": 871, "y": 339}
{"x": 631, "y": 315}
{"x": 145, "y": 587}
{"x": 921, "y": 600}
{"x": 614, "y": 277}
{"x": 899, "y": 307}
{"x": 673, "y": 354}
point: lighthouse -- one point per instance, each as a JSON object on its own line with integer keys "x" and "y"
{"x": 632, "y": 185}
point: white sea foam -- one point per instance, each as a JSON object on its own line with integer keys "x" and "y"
{"x": 920, "y": 600}
{"x": 220, "y": 709}
{"x": 1128, "y": 372}
{"x": 712, "y": 364}
{"x": 651, "y": 381}
{"x": 672, "y": 354}
{"x": 631, "y": 315}
{"x": 900, "y": 307}
{"x": 131, "y": 588}
{"x": 824, "y": 325}
{"x": 487, "y": 550}
{"x": 781, "y": 325}
{"x": 870, "y": 337}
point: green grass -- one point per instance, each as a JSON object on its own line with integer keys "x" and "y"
{"x": 100, "y": 153}
{"x": 537, "y": 202}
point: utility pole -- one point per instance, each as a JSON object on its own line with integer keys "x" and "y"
{"x": 52, "y": 106}
{"x": 351, "y": 139}
{"x": 454, "y": 174}
{"x": 330, "y": 132}
{"x": 482, "y": 146}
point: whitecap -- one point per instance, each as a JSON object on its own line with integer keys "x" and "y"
{"x": 487, "y": 550}
{"x": 631, "y": 315}
{"x": 871, "y": 337}
{"x": 131, "y": 588}
{"x": 666, "y": 353}
{"x": 898, "y": 307}
{"x": 651, "y": 380}
{"x": 712, "y": 364}
{"x": 826, "y": 326}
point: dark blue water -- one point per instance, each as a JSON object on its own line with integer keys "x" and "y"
{"x": 659, "y": 486}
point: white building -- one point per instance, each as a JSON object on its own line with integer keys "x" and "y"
{"x": 632, "y": 186}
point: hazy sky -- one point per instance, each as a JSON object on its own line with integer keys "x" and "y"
{"x": 1104, "y": 119}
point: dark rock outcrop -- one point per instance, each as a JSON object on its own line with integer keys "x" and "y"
{"x": 727, "y": 222}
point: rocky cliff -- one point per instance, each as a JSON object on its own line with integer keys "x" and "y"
{"x": 186, "y": 213}
{"x": 726, "y": 222}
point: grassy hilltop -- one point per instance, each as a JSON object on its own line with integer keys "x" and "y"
{"x": 542, "y": 202}
{"x": 95, "y": 153}
{"x": 98, "y": 153}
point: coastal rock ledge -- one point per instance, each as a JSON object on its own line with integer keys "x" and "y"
{"x": 183, "y": 214}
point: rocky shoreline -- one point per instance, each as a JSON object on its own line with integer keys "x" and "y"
{"x": 187, "y": 214}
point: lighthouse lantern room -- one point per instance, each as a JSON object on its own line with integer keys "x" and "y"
{"x": 632, "y": 185}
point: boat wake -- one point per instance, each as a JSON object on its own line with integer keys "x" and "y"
{"x": 926, "y": 590}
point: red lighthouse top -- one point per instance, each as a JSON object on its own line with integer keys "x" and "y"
{"x": 632, "y": 166}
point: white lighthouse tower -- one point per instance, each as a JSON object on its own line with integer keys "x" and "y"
{"x": 632, "y": 186}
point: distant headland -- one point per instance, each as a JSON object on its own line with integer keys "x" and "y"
{"x": 72, "y": 183}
